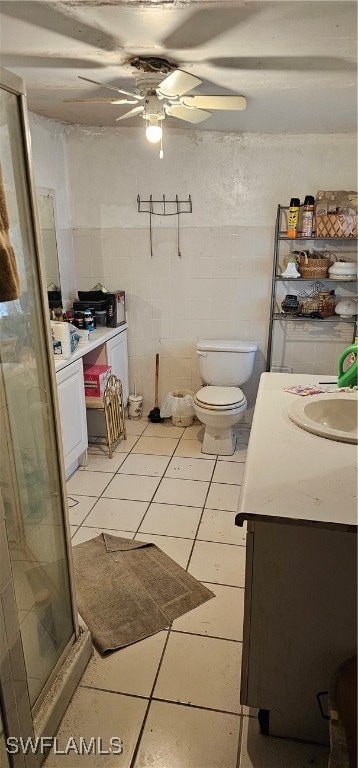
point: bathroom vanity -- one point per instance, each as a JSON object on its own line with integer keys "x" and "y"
{"x": 107, "y": 346}
{"x": 299, "y": 498}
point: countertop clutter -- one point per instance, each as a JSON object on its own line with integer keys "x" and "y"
{"x": 302, "y": 478}
{"x": 97, "y": 337}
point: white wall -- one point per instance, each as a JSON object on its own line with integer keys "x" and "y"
{"x": 221, "y": 285}
{"x": 50, "y": 171}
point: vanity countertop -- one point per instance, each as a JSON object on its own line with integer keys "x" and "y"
{"x": 293, "y": 476}
{"x": 97, "y": 337}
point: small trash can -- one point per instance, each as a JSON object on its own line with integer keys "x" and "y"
{"x": 179, "y": 405}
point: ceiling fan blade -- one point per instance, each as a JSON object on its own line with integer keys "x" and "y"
{"x": 177, "y": 83}
{"x": 131, "y": 113}
{"x": 98, "y": 101}
{"x": 61, "y": 20}
{"x": 112, "y": 88}
{"x": 184, "y": 113}
{"x": 214, "y": 102}
{"x": 206, "y": 24}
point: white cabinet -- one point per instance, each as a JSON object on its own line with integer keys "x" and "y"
{"x": 71, "y": 397}
{"x": 117, "y": 357}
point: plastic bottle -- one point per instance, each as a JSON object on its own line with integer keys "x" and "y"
{"x": 307, "y": 217}
{"x": 293, "y": 214}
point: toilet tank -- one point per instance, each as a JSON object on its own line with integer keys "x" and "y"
{"x": 225, "y": 363}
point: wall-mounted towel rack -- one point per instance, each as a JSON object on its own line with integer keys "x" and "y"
{"x": 165, "y": 209}
{"x": 165, "y": 206}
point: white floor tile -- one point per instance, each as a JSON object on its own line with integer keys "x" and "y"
{"x": 259, "y": 751}
{"x": 144, "y": 464}
{"x": 202, "y": 671}
{"x": 119, "y": 514}
{"x": 88, "y": 483}
{"x": 218, "y": 563}
{"x": 132, "y": 487}
{"x": 195, "y": 432}
{"x": 171, "y": 520}
{"x": 220, "y": 526}
{"x": 123, "y": 447}
{"x": 130, "y": 670}
{"x": 160, "y": 446}
{"x": 79, "y": 507}
{"x": 191, "y": 493}
{"x": 73, "y": 529}
{"x": 185, "y": 737}
{"x": 98, "y": 463}
{"x": 239, "y": 456}
{"x": 100, "y": 714}
{"x": 228, "y": 472}
{"x": 85, "y": 534}
{"x": 165, "y": 429}
{"x": 126, "y": 445}
{"x": 178, "y": 549}
{"x": 220, "y": 617}
{"x": 190, "y": 469}
{"x": 192, "y": 450}
{"x": 136, "y": 426}
{"x": 222, "y": 496}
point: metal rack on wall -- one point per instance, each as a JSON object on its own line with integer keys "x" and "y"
{"x": 165, "y": 209}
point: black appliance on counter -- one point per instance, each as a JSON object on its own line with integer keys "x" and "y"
{"x": 112, "y": 301}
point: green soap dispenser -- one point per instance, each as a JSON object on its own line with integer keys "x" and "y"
{"x": 348, "y": 367}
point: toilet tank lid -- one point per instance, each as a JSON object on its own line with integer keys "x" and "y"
{"x": 225, "y": 345}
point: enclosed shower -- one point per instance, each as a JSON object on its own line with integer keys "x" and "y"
{"x": 40, "y": 636}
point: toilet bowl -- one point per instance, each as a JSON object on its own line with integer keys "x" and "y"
{"x": 221, "y": 404}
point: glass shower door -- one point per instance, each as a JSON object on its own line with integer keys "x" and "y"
{"x": 31, "y": 483}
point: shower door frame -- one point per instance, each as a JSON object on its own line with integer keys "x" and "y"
{"x": 15, "y": 85}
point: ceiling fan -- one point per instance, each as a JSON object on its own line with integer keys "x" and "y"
{"x": 160, "y": 94}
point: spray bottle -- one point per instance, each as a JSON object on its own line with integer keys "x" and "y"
{"x": 293, "y": 214}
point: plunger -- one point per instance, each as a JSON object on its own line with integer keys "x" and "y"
{"x": 154, "y": 414}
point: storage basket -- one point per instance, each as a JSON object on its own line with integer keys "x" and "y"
{"x": 337, "y": 225}
{"x": 309, "y": 305}
{"x": 321, "y": 304}
{"x": 312, "y": 266}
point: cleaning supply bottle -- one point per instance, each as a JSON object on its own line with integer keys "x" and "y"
{"x": 293, "y": 214}
{"x": 348, "y": 367}
{"x": 307, "y": 216}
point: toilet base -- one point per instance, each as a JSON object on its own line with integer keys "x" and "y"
{"x": 219, "y": 441}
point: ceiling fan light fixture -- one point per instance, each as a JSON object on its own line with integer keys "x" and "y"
{"x": 154, "y": 131}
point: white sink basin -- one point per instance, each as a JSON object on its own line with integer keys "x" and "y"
{"x": 333, "y": 416}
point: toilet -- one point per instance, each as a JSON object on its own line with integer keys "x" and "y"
{"x": 221, "y": 404}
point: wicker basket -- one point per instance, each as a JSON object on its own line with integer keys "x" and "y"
{"x": 337, "y": 225}
{"x": 313, "y": 267}
{"x": 322, "y": 304}
{"x": 309, "y": 305}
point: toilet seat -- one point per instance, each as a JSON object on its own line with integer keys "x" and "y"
{"x": 220, "y": 398}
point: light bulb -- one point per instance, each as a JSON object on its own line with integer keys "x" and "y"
{"x": 153, "y": 131}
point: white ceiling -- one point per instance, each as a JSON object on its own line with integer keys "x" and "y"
{"x": 293, "y": 60}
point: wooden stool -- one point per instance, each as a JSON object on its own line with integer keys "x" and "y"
{"x": 113, "y": 406}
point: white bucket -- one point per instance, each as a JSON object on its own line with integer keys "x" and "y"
{"x": 135, "y": 406}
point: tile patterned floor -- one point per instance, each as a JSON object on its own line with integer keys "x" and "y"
{"x": 174, "y": 697}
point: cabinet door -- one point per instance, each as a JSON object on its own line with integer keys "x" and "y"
{"x": 71, "y": 397}
{"x": 117, "y": 357}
